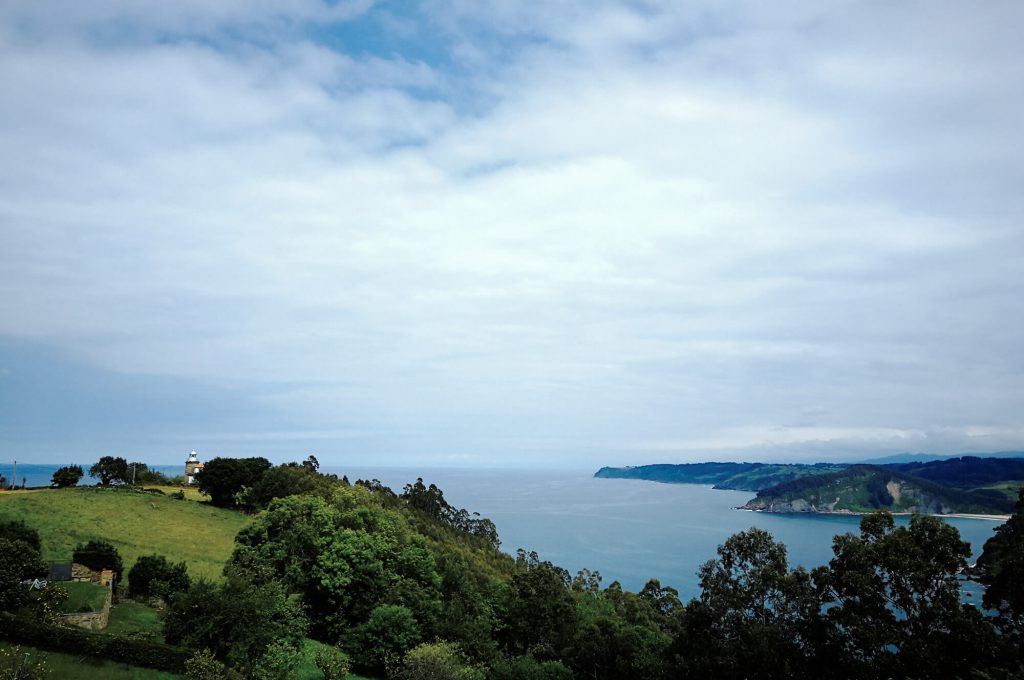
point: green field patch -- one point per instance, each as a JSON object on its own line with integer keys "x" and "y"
{"x": 136, "y": 523}
{"x": 83, "y": 597}
{"x": 134, "y": 618}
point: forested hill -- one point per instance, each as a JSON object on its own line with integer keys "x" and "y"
{"x": 967, "y": 472}
{"x": 738, "y": 476}
{"x": 866, "y": 488}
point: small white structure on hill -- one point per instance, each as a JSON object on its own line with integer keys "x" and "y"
{"x": 192, "y": 466}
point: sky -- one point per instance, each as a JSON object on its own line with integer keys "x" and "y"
{"x": 510, "y": 234}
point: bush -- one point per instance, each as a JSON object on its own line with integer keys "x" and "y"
{"x": 333, "y": 663}
{"x": 438, "y": 661}
{"x": 99, "y": 555}
{"x": 154, "y": 575}
{"x": 178, "y": 495}
{"x": 16, "y": 664}
{"x": 202, "y": 666}
{"x": 279, "y": 661}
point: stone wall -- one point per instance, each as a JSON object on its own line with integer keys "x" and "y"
{"x": 92, "y": 620}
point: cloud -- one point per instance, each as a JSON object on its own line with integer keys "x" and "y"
{"x": 567, "y": 229}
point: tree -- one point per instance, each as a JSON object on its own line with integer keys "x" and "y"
{"x": 752, "y": 615}
{"x": 892, "y": 603}
{"x": 1001, "y": 570}
{"x": 17, "y": 530}
{"x": 223, "y": 478}
{"x": 153, "y": 575}
{"x": 19, "y": 561}
{"x": 67, "y": 476}
{"x": 237, "y": 621}
{"x": 110, "y": 470}
{"x": 385, "y": 637}
{"x": 97, "y": 555}
{"x": 539, "y": 614}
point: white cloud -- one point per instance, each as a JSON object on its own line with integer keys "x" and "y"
{"x": 612, "y": 225}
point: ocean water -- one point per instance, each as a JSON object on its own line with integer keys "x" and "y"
{"x": 628, "y": 530}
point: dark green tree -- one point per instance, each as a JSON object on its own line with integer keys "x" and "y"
{"x": 19, "y": 561}
{"x": 222, "y": 479}
{"x": 751, "y": 620}
{"x": 382, "y": 641}
{"x": 1001, "y": 569}
{"x": 110, "y": 470}
{"x": 17, "y": 530}
{"x": 153, "y": 575}
{"x": 892, "y": 603}
{"x": 237, "y": 621}
{"x": 99, "y": 554}
{"x": 539, "y": 614}
{"x": 290, "y": 479}
{"x": 66, "y": 476}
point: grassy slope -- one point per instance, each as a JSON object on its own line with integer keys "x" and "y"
{"x": 128, "y": 618}
{"x": 136, "y": 523}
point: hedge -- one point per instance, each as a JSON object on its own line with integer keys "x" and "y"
{"x": 134, "y": 652}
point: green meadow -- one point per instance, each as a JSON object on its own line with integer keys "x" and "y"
{"x": 136, "y": 523}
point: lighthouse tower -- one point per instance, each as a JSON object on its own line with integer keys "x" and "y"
{"x": 192, "y": 466}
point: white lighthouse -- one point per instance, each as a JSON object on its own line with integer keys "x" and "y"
{"x": 192, "y": 466}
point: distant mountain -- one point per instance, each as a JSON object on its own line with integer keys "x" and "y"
{"x": 928, "y": 457}
{"x": 739, "y": 476}
{"x": 866, "y": 488}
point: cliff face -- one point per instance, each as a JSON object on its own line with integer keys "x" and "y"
{"x": 866, "y": 489}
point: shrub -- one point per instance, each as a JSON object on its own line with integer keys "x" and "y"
{"x": 202, "y": 666}
{"x": 279, "y": 661}
{"x": 16, "y": 664}
{"x": 438, "y": 661}
{"x": 333, "y": 663}
{"x": 154, "y": 575}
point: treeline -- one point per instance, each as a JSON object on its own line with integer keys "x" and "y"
{"x": 113, "y": 471}
{"x": 965, "y": 472}
{"x": 385, "y": 579}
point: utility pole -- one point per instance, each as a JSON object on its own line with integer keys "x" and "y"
{"x": 133, "y": 473}
{"x": 14, "y": 475}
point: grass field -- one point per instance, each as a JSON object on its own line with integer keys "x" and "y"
{"x": 136, "y": 523}
{"x": 129, "y": 618}
{"x": 75, "y": 667}
{"x": 83, "y": 597}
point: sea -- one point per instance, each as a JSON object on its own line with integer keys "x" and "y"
{"x": 628, "y": 530}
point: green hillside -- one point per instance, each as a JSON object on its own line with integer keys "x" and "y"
{"x": 137, "y": 523}
{"x": 738, "y": 476}
{"x": 867, "y": 488}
